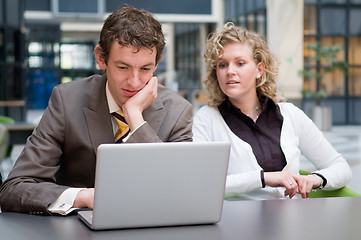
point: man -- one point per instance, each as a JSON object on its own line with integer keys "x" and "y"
{"x": 55, "y": 173}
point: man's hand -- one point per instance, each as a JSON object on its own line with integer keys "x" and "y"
{"x": 85, "y": 198}
{"x": 134, "y": 106}
{"x": 282, "y": 179}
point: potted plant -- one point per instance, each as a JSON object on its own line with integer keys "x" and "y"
{"x": 324, "y": 60}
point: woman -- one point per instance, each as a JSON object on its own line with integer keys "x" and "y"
{"x": 267, "y": 137}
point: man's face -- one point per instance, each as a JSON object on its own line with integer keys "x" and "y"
{"x": 128, "y": 70}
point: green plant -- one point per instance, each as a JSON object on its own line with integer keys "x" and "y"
{"x": 326, "y": 61}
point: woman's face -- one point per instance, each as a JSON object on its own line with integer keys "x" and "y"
{"x": 237, "y": 72}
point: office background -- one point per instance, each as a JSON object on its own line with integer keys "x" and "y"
{"x": 47, "y": 42}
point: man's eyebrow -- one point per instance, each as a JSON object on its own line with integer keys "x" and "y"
{"x": 121, "y": 62}
{"x": 124, "y": 63}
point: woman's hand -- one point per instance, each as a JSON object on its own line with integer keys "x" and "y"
{"x": 282, "y": 179}
{"x": 306, "y": 183}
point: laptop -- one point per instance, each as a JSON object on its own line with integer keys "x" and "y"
{"x": 158, "y": 184}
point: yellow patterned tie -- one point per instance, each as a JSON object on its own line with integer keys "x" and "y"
{"x": 123, "y": 128}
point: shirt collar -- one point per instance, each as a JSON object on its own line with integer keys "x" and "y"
{"x": 113, "y": 106}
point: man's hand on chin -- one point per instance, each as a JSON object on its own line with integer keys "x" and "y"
{"x": 134, "y": 106}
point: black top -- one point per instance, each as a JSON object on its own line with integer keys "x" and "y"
{"x": 263, "y": 135}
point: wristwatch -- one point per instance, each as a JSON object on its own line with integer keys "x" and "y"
{"x": 323, "y": 179}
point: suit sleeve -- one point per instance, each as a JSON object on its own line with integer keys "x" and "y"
{"x": 31, "y": 185}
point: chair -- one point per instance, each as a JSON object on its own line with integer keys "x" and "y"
{"x": 4, "y": 142}
{"x": 342, "y": 192}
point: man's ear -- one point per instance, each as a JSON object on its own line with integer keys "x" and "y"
{"x": 99, "y": 57}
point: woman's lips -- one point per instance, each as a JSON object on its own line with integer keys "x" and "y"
{"x": 232, "y": 82}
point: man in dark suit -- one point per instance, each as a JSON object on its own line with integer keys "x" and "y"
{"x": 55, "y": 173}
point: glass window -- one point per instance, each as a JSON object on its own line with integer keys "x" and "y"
{"x": 333, "y": 1}
{"x": 332, "y": 41}
{"x": 37, "y": 5}
{"x": 333, "y": 83}
{"x": 229, "y": 9}
{"x": 250, "y": 6}
{"x": 355, "y": 21}
{"x": 307, "y": 53}
{"x": 251, "y": 22}
{"x": 241, "y": 7}
{"x": 261, "y": 23}
{"x": 260, "y": 4}
{"x": 161, "y": 6}
{"x": 310, "y": 1}
{"x": 242, "y": 21}
{"x": 354, "y": 54}
{"x": 79, "y": 6}
{"x": 310, "y": 20}
{"x": 333, "y": 21}
{"x": 355, "y": 1}
{"x": 76, "y": 56}
{"x": 354, "y": 86}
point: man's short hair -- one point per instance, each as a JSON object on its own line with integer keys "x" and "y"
{"x": 130, "y": 26}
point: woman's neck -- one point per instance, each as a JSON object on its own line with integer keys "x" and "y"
{"x": 251, "y": 107}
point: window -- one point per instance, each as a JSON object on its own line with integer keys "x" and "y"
{"x": 310, "y": 20}
{"x": 355, "y": 21}
{"x": 333, "y": 21}
{"x": 79, "y": 6}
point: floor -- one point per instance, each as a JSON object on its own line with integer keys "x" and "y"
{"x": 346, "y": 140}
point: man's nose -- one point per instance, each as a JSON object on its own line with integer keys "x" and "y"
{"x": 133, "y": 79}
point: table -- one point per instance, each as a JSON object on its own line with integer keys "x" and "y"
{"x": 327, "y": 218}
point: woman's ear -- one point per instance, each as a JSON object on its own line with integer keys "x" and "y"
{"x": 99, "y": 58}
{"x": 260, "y": 69}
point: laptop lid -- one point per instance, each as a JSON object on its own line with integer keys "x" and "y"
{"x": 159, "y": 184}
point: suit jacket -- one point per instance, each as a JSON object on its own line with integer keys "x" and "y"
{"x": 61, "y": 152}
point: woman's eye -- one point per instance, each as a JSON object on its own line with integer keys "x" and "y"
{"x": 221, "y": 65}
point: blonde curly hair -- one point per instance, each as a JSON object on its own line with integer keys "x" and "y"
{"x": 266, "y": 84}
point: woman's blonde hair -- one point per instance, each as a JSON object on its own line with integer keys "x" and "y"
{"x": 266, "y": 84}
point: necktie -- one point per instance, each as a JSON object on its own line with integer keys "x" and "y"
{"x": 123, "y": 128}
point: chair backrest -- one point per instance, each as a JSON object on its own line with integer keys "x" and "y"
{"x": 342, "y": 192}
{"x": 4, "y": 141}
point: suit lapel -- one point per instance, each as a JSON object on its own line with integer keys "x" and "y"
{"x": 155, "y": 114}
{"x": 98, "y": 118}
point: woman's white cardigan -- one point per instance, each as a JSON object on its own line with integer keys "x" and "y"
{"x": 299, "y": 136}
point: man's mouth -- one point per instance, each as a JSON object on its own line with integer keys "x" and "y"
{"x": 130, "y": 93}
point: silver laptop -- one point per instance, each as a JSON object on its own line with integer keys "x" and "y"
{"x": 158, "y": 184}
